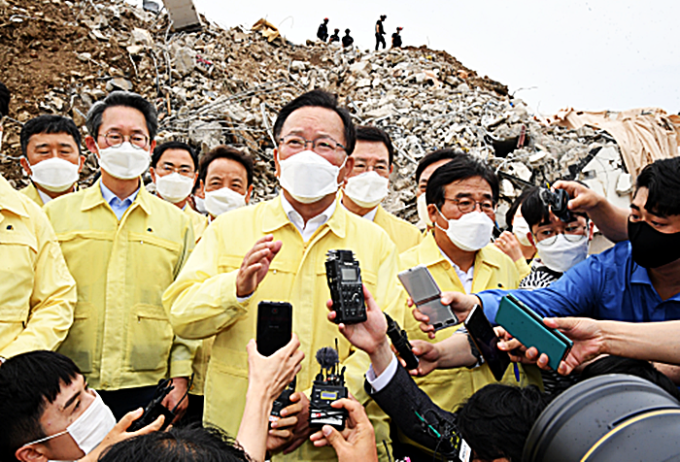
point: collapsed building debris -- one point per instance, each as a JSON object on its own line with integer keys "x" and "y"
{"x": 216, "y": 86}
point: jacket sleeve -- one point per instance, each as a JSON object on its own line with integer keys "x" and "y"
{"x": 409, "y": 407}
{"x": 53, "y": 295}
{"x": 183, "y": 351}
{"x": 202, "y": 301}
{"x": 574, "y": 294}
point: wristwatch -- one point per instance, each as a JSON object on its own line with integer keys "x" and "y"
{"x": 475, "y": 352}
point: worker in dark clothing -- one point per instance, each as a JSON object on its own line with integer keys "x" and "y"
{"x": 335, "y": 37}
{"x": 322, "y": 33}
{"x": 380, "y": 33}
{"x": 347, "y": 41}
{"x": 396, "y": 38}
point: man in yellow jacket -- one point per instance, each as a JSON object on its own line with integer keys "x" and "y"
{"x": 50, "y": 145}
{"x": 37, "y": 293}
{"x": 461, "y": 197}
{"x": 124, "y": 247}
{"x": 275, "y": 251}
{"x": 367, "y": 185}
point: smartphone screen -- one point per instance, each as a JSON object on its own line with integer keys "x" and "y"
{"x": 274, "y": 326}
{"x": 485, "y": 339}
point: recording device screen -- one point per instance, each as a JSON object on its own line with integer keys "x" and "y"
{"x": 486, "y": 341}
{"x": 349, "y": 274}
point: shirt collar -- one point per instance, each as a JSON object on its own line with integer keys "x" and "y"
{"x": 44, "y": 197}
{"x": 297, "y": 219}
{"x": 109, "y": 196}
{"x": 640, "y": 275}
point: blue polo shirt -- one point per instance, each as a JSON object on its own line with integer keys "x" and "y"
{"x": 607, "y": 286}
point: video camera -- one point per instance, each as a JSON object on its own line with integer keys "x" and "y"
{"x": 556, "y": 201}
{"x": 155, "y": 409}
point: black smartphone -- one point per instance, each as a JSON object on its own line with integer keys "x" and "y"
{"x": 486, "y": 340}
{"x": 274, "y": 326}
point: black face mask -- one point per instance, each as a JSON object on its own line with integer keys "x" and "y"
{"x": 652, "y": 248}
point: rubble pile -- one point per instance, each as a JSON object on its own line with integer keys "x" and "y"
{"x": 225, "y": 86}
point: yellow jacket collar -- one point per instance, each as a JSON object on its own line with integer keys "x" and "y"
{"x": 10, "y": 199}
{"x": 431, "y": 254}
{"x": 93, "y": 197}
{"x": 275, "y": 218}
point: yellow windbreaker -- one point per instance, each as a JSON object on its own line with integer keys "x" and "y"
{"x": 448, "y": 388}
{"x": 200, "y": 364}
{"x": 403, "y": 234}
{"x": 121, "y": 336}
{"x": 202, "y": 302}
{"x": 31, "y": 192}
{"x": 37, "y": 293}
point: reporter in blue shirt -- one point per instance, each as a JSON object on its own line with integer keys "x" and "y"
{"x": 637, "y": 280}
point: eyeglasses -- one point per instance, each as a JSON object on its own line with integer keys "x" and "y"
{"x": 469, "y": 205}
{"x": 115, "y": 139}
{"x": 572, "y": 233}
{"x": 322, "y": 145}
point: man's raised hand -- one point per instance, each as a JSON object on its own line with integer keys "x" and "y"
{"x": 256, "y": 264}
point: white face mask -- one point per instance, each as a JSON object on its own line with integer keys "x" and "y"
{"x": 520, "y": 229}
{"x": 423, "y": 214}
{"x": 562, "y": 254}
{"x": 174, "y": 187}
{"x": 55, "y": 174}
{"x": 367, "y": 190}
{"x": 470, "y": 232}
{"x": 223, "y": 200}
{"x": 90, "y": 428}
{"x": 199, "y": 202}
{"x": 308, "y": 177}
{"x": 124, "y": 162}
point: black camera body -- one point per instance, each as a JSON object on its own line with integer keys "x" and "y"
{"x": 329, "y": 386}
{"x": 155, "y": 409}
{"x": 557, "y": 201}
{"x": 344, "y": 281}
{"x": 282, "y": 401}
{"x": 399, "y": 339}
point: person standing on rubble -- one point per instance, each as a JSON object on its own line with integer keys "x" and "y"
{"x": 347, "y": 40}
{"x": 368, "y": 184}
{"x": 380, "y": 33}
{"x": 322, "y": 33}
{"x": 396, "y": 38}
{"x": 335, "y": 37}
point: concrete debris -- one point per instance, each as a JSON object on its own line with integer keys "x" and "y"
{"x": 218, "y": 86}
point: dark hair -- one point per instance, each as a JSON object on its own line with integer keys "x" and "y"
{"x": 225, "y": 152}
{"x": 49, "y": 124}
{"x": 161, "y": 148}
{"x": 433, "y": 157}
{"x": 662, "y": 178}
{"x": 28, "y": 382}
{"x": 461, "y": 167}
{"x": 496, "y": 420}
{"x": 637, "y": 367}
{"x": 512, "y": 211}
{"x": 192, "y": 443}
{"x": 127, "y": 99}
{"x": 4, "y": 100}
{"x": 375, "y": 134}
{"x": 535, "y": 211}
{"x": 319, "y": 98}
